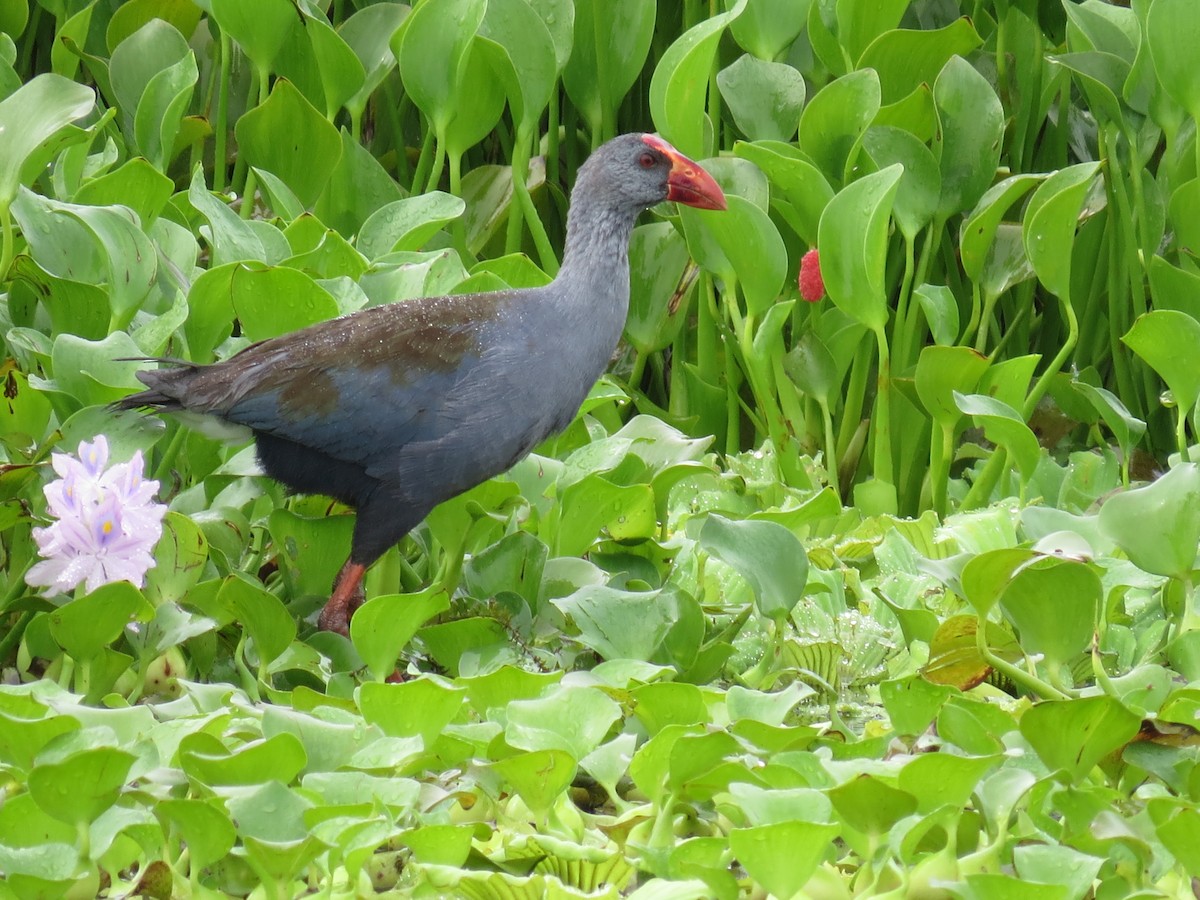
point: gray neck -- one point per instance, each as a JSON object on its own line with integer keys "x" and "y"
{"x": 594, "y": 278}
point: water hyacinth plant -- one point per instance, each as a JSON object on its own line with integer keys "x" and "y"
{"x": 106, "y": 522}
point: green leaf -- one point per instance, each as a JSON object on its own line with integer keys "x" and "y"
{"x": 941, "y": 373}
{"x": 1004, "y": 426}
{"x": 1171, "y": 27}
{"x": 529, "y": 67}
{"x": 905, "y": 59}
{"x": 870, "y": 805}
{"x": 1158, "y": 525}
{"x": 306, "y": 160}
{"x": 260, "y": 30}
{"x": 612, "y": 38}
{"x": 768, "y": 27}
{"x": 1050, "y": 222}
{"x": 80, "y": 787}
{"x": 539, "y": 777}
{"x": 920, "y": 185}
{"x": 203, "y": 825}
{"x": 968, "y": 142}
{"x": 433, "y": 51}
{"x": 764, "y": 98}
{"x": 274, "y": 300}
{"x": 572, "y": 719}
{"x": 87, "y": 625}
{"x": 1165, "y": 339}
{"x": 384, "y": 625}
{"x": 30, "y": 118}
{"x": 1054, "y": 605}
{"x": 978, "y": 232}
{"x": 619, "y": 624}
{"x": 750, "y": 249}
{"x": 1075, "y": 735}
{"x": 782, "y": 856}
{"x": 407, "y": 224}
{"x": 766, "y": 554}
{"x": 794, "y": 177}
{"x": 657, "y": 311}
{"x": 266, "y": 619}
{"x": 372, "y": 33}
{"x": 835, "y": 119}
{"x": 679, "y": 85}
{"x": 278, "y": 758}
{"x": 422, "y": 707}
{"x": 853, "y": 243}
{"x": 859, "y": 22}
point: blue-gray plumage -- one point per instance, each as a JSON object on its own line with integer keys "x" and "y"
{"x": 396, "y": 408}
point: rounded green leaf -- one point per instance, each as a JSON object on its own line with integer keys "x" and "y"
{"x": 529, "y": 66}
{"x": 749, "y": 245}
{"x": 1172, "y": 30}
{"x": 1053, "y": 604}
{"x": 979, "y": 228}
{"x": 768, "y": 27}
{"x": 852, "y": 238}
{"x": 967, "y": 143}
{"x": 260, "y": 28}
{"x": 658, "y": 288}
{"x": 433, "y": 52}
{"x": 29, "y": 118}
{"x": 384, "y": 625}
{"x": 306, "y": 159}
{"x": 796, "y": 178}
{"x": 612, "y": 38}
{"x": 920, "y": 185}
{"x": 1075, "y": 735}
{"x": 85, "y": 626}
{"x": 407, "y": 224}
{"x": 1004, "y": 426}
{"x": 943, "y": 371}
{"x": 765, "y": 98}
{"x": 82, "y": 786}
{"x": 782, "y": 857}
{"x": 905, "y": 59}
{"x": 273, "y": 300}
{"x": 1167, "y": 339}
{"x": 421, "y": 707}
{"x": 1158, "y": 525}
{"x": 1050, "y": 222}
{"x": 767, "y": 555}
{"x": 835, "y": 118}
{"x": 679, "y": 86}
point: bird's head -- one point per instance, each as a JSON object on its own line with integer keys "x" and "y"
{"x": 643, "y": 170}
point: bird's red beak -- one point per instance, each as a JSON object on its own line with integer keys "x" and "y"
{"x": 687, "y": 183}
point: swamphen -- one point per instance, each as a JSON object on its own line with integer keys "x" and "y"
{"x": 395, "y": 408}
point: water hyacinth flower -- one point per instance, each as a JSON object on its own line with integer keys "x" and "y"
{"x": 812, "y": 285}
{"x": 106, "y": 522}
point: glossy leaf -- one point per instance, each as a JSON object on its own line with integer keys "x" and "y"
{"x": 765, "y": 98}
{"x": 834, "y": 120}
{"x": 968, "y": 143}
{"x": 853, "y": 242}
{"x": 678, "y": 88}
{"x": 307, "y": 163}
{"x": 1158, "y": 525}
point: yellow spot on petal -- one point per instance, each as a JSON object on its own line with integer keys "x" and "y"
{"x": 108, "y": 527}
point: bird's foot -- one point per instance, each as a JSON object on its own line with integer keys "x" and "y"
{"x": 347, "y": 596}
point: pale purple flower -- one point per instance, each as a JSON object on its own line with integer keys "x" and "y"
{"x": 106, "y": 522}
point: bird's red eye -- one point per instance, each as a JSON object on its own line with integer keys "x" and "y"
{"x": 647, "y": 161}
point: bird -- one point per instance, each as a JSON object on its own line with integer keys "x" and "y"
{"x": 396, "y": 408}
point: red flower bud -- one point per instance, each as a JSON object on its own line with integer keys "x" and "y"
{"x": 812, "y": 285}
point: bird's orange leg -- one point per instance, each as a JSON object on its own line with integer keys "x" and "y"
{"x": 347, "y": 596}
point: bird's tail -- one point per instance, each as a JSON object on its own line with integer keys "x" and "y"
{"x": 155, "y": 398}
